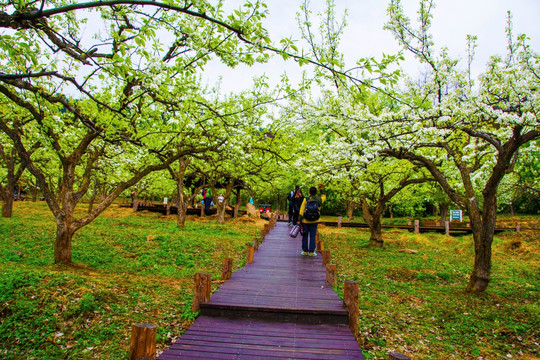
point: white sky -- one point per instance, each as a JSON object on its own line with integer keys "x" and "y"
{"x": 364, "y": 34}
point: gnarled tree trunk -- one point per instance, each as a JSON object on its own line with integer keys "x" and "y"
{"x": 182, "y": 214}
{"x": 222, "y": 205}
{"x": 14, "y": 173}
{"x": 62, "y": 243}
{"x": 93, "y": 197}
{"x": 35, "y": 191}
{"x": 7, "y": 203}
{"x": 237, "y": 206}
{"x": 182, "y": 201}
{"x": 351, "y": 206}
{"x": 483, "y": 229}
{"x": 372, "y": 217}
{"x": 443, "y": 208}
{"x": 7, "y": 193}
{"x": 376, "y": 239}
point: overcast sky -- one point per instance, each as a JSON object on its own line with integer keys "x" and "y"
{"x": 364, "y": 34}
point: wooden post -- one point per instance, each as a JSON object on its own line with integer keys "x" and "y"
{"x": 226, "y": 269}
{"x": 135, "y": 205}
{"x": 143, "y": 342}
{"x": 263, "y": 235}
{"x": 518, "y": 227}
{"x": 339, "y": 220}
{"x": 256, "y": 243}
{"x": 202, "y": 210}
{"x": 168, "y": 211}
{"x": 417, "y": 226}
{"x": 249, "y": 254}
{"x": 447, "y": 227}
{"x": 201, "y": 292}
{"x": 331, "y": 274}
{"x": 325, "y": 257}
{"x": 397, "y": 356}
{"x": 320, "y": 246}
{"x": 351, "y": 293}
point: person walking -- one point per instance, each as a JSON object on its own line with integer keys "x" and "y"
{"x": 298, "y": 199}
{"x": 290, "y": 199}
{"x": 207, "y": 198}
{"x": 310, "y": 213}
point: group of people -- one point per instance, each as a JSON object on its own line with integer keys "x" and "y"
{"x": 306, "y": 212}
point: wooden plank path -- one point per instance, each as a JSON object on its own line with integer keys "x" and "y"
{"x": 278, "y": 306}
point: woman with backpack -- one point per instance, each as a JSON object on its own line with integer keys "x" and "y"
{"x": 310, "y": 212}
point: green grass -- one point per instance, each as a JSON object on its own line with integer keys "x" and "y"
{"x": 121, "y": 276}
{"x": 138, "y": 268}
{"x": 415, "y": 303}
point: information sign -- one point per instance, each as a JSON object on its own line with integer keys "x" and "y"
{"x": 456, "y": 215}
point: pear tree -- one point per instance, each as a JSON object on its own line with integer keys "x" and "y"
{"x": 467, "y": 135}
{"x": 102, "y": 93}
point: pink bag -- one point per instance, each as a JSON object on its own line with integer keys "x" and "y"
{"x": 294, "y": 231}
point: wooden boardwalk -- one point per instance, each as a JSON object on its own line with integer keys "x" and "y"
{"x": 276, "y": 307}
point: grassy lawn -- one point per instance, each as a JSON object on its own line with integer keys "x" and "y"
{"x": 138, "y": 268}
{"x": 414, "y": 303}
{"x": 121, "y": 276}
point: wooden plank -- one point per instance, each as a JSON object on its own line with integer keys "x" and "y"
{"x": 262, "y": 331}
{"x": 263, "y": 339}
{"x": 240, "y": 349}
{"x": 204, "y": 323}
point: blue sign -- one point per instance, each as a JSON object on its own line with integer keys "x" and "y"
{"x": 456, "y": 215}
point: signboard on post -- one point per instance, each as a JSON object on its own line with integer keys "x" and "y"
{"x": 456, "y": 215}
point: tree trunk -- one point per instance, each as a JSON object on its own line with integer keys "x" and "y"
{"x": 221, "y": 211}
{"x": 444, "y": 213}
{"x": 376, "y": 240}
{"x": 181, "y": 216}
{"x": 7, "y": 205}
{"x": 182, "y": 201}
{"x": 92, "y": 199}
{"x": 237, "y": 205}
{"x": 8, "y": 193}
{"x": 351, "y": 206}
{"x": 373, "y": 220}
{"x": 62, "y": 244}
{"x": 483, "y": 230}
{"x": 222, "y": 206}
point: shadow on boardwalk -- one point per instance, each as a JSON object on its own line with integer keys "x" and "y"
{"x": 276, "y": 307}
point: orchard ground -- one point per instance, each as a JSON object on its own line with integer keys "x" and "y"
{"x": 138, "y": 268}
